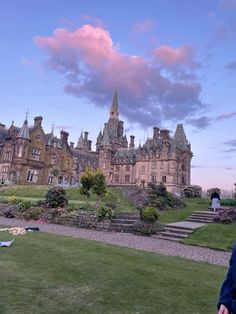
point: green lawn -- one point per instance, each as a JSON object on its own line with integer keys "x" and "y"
{"x": 217, "y": 236}
{"x": 35, "y": 192}
{"x": 182, "y": 214}
{"x": 42, "y": 273}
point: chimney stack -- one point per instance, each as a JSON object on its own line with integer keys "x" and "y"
{"x": 71, "y": 144}
{"x": 131, "y": 144}
{"x": 64, "y": 136}
{"x": 38, "y": 121}
{"x": 156, "y": 132}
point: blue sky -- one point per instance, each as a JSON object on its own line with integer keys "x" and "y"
{"x": 172, "y": 61}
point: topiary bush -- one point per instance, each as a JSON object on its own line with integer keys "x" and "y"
{"x": 56, "y": 197}
{"x": 150, "y": 214}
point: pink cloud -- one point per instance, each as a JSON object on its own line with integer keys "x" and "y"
{"x": 227, "y": 115}
{"x": 93, "y": 66}
{"x": 227, "y": 5}
{"x": 26, "y": 61}
{"x": 143, "y": 27}
{"x": 174, "y": 57}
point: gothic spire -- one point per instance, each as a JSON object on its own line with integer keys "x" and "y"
{"x": 114, "y": 112}
{"x": 80, "y": 143}
{"x": 24, "y": 131}
{"x": 105, "y": 138}
{"x": 180, "y": 136}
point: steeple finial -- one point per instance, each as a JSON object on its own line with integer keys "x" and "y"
{"x": 26, "y": 114}
{"x": 114, "y": 112}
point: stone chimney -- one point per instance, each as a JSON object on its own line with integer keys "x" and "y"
{"x": 38, "y": 121}
{"x": 165, "y": 134}
{"x": 72, "y": 144}
{"x": 64, "y": 137}
{"x": 86, "y": 136}
{"x": 131, "y": 143}
{"x": 2, "y": 126}
{"x": 156, "y": 132}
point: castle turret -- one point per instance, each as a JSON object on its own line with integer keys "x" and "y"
{"x": 24, "y": 131}
{"x": 180, "y": 137}
{"x": 131, "y": 143}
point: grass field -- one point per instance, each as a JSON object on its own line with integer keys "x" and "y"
{"x": 42, "y": 273}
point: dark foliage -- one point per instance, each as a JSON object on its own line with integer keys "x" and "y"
{"x": 147, "y": 228}
{"x": 226, "y": 216}
{"x": 192, "y": 191}
{"x": 56, "y": 197}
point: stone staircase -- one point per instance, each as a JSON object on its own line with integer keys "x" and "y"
{"x": 203, "y": 216}
{"x": 123, "y": 222}
{"x": 181, "y": 230}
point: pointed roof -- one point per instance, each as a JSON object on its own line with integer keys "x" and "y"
{"x": 80, "y": 143}
{"x": 105, "y": 138}
{"x": 114, "y": 112}
{"x": 99, "y": 138}
{"x": 24, "y": 131}
{"x": 180, "y": 136}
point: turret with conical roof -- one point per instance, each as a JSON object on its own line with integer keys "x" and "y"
{"x": 24, "y": 131}
{"x": 80, "y": 143}
{"x": 105, "y": 139}
{"x": 180, "y": 137}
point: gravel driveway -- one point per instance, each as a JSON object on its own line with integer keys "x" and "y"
{"x": 149, "y": 244}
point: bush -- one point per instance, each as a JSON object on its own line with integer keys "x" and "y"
{"x": 147, "y": 228}
{"x": 192, "y": 191}
{"x": 24, "y": 205}
{"x": 88, "y": 207}
{"x": 226, "y": 216}
{"x": 150, "y": 214}
{"x": 228, "y": 202}
{"x": 32, "y": 213}
{"x": 13, "y": 200}
{"x": 212, "y": 190}
{"x": 72, "y": 207}
{"x": 104, "y": 212}
{"x": 56, "y": 197}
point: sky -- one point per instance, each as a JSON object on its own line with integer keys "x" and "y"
{"x": 171, "y": 61}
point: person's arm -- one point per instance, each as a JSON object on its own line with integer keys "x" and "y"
{"x": 228, "y": 288}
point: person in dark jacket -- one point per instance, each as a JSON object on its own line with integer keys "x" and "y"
{"x": 227, "y": 299}
{"x": 215, "y": 199}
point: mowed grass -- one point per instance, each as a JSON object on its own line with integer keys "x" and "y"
{"x": 217, "y": 236}
{"x": 182, "y": 214}
{"x": 36, "y": 192}
{"x": 42, "y": 273}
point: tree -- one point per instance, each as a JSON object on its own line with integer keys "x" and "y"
{"x": 99, "y": 185}
{"x": 192, "y": 191}
{"x": 55, "y": 173}
{"x": 87, "y": 182}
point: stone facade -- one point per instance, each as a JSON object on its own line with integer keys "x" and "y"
{"x": 28, "y": 155}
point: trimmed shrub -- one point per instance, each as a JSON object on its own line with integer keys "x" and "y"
{"x": 150, "y": 214}
{"x": 104, "y": 212}
{"x": 147, "y": 228}
{"x": 13, "y": 200}
{"x": 56, "y": 197}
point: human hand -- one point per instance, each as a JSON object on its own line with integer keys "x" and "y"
{"x": 223, "y": 310}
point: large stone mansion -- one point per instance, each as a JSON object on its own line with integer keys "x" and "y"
{"x": 28, "y": 155}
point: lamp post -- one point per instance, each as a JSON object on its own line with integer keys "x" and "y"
{"x": 234, "y": 190}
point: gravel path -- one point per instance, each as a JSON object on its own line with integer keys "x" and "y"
{"x": 149, "y": 244}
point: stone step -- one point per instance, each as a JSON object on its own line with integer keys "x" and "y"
{"x": 162, "y": 237}
{"x": 178, "y": 227}
{"x": 178, "y": 230}
{"x": 173, "y": 235}
{"x": 204, "y": 214}
{"x": 199, "y": 220}
{"x": 201, "y": 217}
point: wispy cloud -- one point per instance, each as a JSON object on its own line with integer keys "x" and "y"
{"x": 201, "y": 123}
{"x": 63, "y": 127}
{"x": 226, "y": 115}
{"x": 143, "y": 27}
{"x": 231, "y": 67}
{"x": 227, "y": 5}
{"x": 152, "y": 88}
{"x": 26, "y": 61}
{"x": 231, "y": 144}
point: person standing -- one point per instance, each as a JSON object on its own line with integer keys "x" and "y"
{"x": 215, "y": 200}
{"x": 227, "y": 299}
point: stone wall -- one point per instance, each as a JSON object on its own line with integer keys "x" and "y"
{"x": 76, "y": 218}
